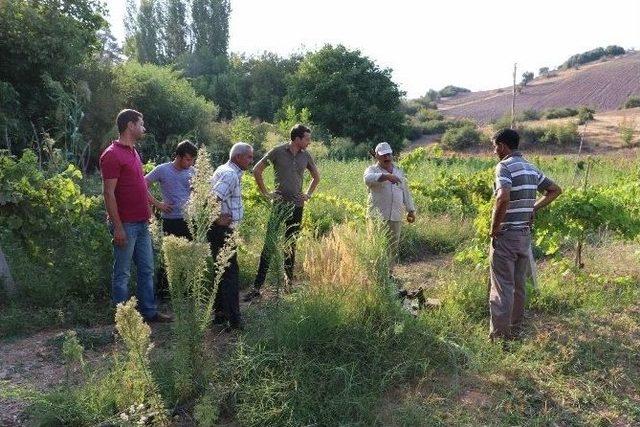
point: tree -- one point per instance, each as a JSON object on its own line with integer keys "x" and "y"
{"x": 527, "y": 76}
{"x": 211, "y": 26}
{"x": 177, "y": 30}
{"x": 150, "y": 33}
{"x": 41, "y": 43}
{"x": 349, "y": 95}
{"x": 543, "y": 71}
{"x": 171, "y": 108}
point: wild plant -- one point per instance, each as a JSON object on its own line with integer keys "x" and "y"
{"x": 203, "y": 207}
{"x": 277, "y": 244}
{"x": 136, "y": 384}
{"x": 72, "y": 353}
{"x": 192, "y": 283}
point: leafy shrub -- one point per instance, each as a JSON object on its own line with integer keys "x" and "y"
{"x": 558, "y": 113}
{"x": 592, "y": 55}
{"x": 626, "y": 129}
{"x": 169, "y": 104}
{"x": 462, "y": 137}
{"x": 346, "y": 149}
{"x": 433, "y": 127}
{"x": 451, "y": 90}
{"x": 585, "y": 114}
{"x": 554, "y": 133}
{"x": 528, "y": 115}
{"x": 38, "y": 211}
{"x": 632, "y": 102}
{"x": 425, "y": 114}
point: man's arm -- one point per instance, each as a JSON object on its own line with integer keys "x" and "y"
{"x": 503, "y": 197}
{"x": 108, "y": 191}
{"x": 550, "y": 194}
{"x": 315, "y": 179}
{"x": 150, "y": 178}
{"x": 257, "y": 175}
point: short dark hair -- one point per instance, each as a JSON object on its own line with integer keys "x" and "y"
{"x": 509, "y": 137}
{"x": 298, "y": 131}
{"x": 186, "y": 147}
{"x": 126, "y": 116}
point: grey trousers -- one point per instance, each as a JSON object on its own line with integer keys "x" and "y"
{"x": 394, "y": 228}
{"x": 509, "y": 260}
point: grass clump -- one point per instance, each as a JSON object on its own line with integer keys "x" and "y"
{"x": 326, "y": 355}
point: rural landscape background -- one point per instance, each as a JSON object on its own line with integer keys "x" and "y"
{"x": 340, "y": 347}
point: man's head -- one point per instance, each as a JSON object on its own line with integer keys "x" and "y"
{"x": 384, "y": 154}
{"x": 130, "y": 124}
{"x": 186, "y": 153}
{"x": 504, "y": 142}
{"x": 242, "y": 155}
{"x": 301, "y": 136}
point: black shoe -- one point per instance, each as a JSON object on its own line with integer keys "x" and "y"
{"x": 254, "y": 293}
{"x": 159, "y": 318}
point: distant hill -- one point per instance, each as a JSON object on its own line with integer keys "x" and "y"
{"x": 603, "y": 86}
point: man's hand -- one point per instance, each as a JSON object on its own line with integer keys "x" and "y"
{"x": 411, "y": 217}
{"x": 164, "y": 207}
{"x": 303, "y": 197}
{"x": 224, "y": 220}
{"x": 494, "y": 232}
{"x": 533, "y": 217}
{"x": 392, "y": 178}
{"x": 119, "y": 236}
{"x": 272, "y": 195}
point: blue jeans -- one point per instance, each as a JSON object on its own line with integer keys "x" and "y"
{"x": 138, "y": 247}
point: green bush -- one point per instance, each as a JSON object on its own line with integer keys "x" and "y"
{"x": 632, "y": 102}
{"x": 170, "y": 106}
{"x": 433, "y": 127}
{"x": 585, "y": 114}
{"x": 462, "y": 137}
{"x": 40, "y": 210}
{"x": 346, "y": 149}
{"x": 553, "y": 134}
{"x": 451, "y": 90}
{"x": 528, "y": 115}
{"x": 558, "y": 113}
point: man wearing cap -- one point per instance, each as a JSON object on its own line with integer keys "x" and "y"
{"x": 389, "y": 194}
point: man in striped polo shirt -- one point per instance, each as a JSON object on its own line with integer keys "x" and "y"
{"x": 516, "y": 186}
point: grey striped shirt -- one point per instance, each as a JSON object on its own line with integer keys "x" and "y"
{"x": 523, "y": 180}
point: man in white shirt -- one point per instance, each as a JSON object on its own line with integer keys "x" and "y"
{"x": 225, "y": 184}
{"x": 389, "y": 194}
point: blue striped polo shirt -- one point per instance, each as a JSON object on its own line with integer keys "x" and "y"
{"x": 523, "y": 180}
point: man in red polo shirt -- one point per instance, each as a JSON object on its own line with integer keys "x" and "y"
{"x": 127, "y": 202}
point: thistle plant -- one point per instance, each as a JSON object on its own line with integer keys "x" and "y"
{"x": 203, "y": 207}
{"x": 72, "y": 353}
{"x": 192, "y": 288}
{"x": 277, "y": 244}
{"x": 136, "y": 385}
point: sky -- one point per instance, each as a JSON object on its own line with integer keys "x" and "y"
{"x": 467, "y": 43}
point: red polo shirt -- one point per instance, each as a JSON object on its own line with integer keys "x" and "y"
{"x": 123, "y": 162}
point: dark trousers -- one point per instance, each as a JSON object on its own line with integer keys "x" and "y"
{"x": 175, "y": 227}
{"x": 292, "y": 228}
{"x": 227, "y": 302}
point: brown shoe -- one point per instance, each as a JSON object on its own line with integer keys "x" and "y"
{"x": 159, "y": 318}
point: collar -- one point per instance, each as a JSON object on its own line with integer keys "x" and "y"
{"x": 121, "y": 145}
{"x": 515, "y": 153}
{"x": 235, "y": 167}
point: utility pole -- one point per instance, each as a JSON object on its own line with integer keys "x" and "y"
{"x": 513, "y": 99}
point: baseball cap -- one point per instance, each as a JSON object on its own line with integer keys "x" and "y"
{"x": 383, "y": 148}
